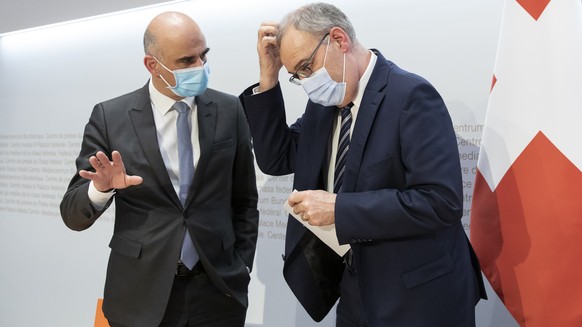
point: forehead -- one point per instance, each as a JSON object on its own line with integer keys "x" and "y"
{"x": 179, "y": 44}
{"x": 296, "y": 46}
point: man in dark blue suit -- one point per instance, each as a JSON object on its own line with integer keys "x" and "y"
{"x": 399, "y": 206}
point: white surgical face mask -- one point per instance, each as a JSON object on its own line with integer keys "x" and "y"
{"x": 322, "y": 89}
{"x": 190, "y": 82}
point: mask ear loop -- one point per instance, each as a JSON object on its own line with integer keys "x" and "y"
{"x": 344, "y": 77}
{"x": 325, "y": 58}
{"x": 159, "y": 62}
{"x": 326, "y": 48}
{"x": 168, "y": 84}
{"x": 162, "y": 77}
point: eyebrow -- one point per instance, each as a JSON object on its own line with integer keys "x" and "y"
{"x": 305, "y": 61}
{"x": 205, "y": 52}
{"x": 300, "y": 64}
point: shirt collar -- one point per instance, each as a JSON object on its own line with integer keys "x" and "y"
{"x": 163, "y": 103}
{"x": 365, "y": 79}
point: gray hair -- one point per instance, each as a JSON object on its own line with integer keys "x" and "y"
{"x": 150, "y": 43}
{"x": 317, "y": 19}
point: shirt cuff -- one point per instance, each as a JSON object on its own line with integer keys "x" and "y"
{"x": 99, "y": 199}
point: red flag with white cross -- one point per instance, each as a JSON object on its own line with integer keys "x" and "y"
{"x": 526, "y": 214}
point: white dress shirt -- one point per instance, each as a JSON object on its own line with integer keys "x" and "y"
{"x": 165, "y": 120}
{"x": 355, "y": 108}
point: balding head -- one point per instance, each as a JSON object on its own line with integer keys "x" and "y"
{"x": 167, "y": 29}
{"x": 172, "y": 41}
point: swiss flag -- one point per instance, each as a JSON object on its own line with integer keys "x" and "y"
{"x": 526, "y": 215}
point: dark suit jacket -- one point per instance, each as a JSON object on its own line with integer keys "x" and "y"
{"x": 400, "y": 207}
{"x": 221, "y": 210}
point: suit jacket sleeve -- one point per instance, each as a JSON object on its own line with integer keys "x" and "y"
{"x": 244, "y": 193}
{"x": 76, "y": 209}
{"x": 275, "y": 142}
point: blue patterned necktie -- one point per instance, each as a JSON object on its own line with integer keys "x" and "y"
{"x": 188, "y": 255}
{"x": 343, "y": 147}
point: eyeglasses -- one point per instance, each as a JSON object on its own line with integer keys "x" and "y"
{"x": 305, "y": 71}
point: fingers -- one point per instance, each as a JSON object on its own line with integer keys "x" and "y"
{"x": 109, "y": 174}
{"x": 317, "y": 207}
{"x": 267, "y": 37}
{"x": 299, "y": 201}
{"x": 133, "y": 180}
{"x": 100, "y": 162}
{"x": 299, "y": 206}
{"x": 269, "y": 60}
{"x": 268, "y": 50}
{"x": 87, "y": 174}
{"x": 296, "y": 197}
{"x": 116, "y": 157}
{"x": 95, "y": 163}
{"x": 103, "y": 159}
{"x": 268, "y": 28}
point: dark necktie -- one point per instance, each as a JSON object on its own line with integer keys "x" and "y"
{"x": 188, "y": 255}
{"x": 343, "y": 147}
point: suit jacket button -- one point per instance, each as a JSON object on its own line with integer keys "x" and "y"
{"x": 86, "y": 212}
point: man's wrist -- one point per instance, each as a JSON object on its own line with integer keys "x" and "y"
{"x": 99, "y": 199}
{"x": 266, "y": 84}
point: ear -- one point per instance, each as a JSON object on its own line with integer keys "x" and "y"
{"x": 340, "y": 39}
{"x": 151, "y": 65}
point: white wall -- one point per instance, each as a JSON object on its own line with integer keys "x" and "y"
{"x": 24, "y": 14}
{"x": 51, "y": 78}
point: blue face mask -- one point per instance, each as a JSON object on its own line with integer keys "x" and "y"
{"x": 190, "y": 82}
{"x": 322, "y": 89}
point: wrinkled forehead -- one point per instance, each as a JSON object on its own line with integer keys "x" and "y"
{"x": 296, "y": 47}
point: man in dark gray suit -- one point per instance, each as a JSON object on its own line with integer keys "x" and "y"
{"x": 182, "y": 247}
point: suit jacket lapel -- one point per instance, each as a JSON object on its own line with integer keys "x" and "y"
{"x": 206, "y": 112}
{"x": 371, "y": 100}
{"x": 144, "y": 126}
{"x": 319, "y": 122}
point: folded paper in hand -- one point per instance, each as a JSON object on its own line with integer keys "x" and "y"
{"x": 324, "y": 233}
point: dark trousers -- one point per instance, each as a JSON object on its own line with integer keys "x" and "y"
{"x": 349, "y": 309}
{"x": 195, "y": 301}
